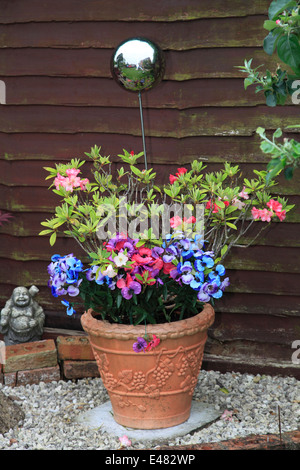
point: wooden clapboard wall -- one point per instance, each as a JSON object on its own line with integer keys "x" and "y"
{"x": 61, "y": 100}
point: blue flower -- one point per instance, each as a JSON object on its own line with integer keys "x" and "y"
{"x": 70, "y": 309}
{"x": 204, "y": 262}
{"x": 198, "y": 280}
{"x": 220, "y": 269}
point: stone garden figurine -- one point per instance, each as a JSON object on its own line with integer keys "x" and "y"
{"x": 22, "y": 318}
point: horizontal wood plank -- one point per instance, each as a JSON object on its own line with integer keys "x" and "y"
{"x": 180, "y": 66}
{"x": 32, "y": 173}
{"x": 177, "y": 123}
{"x": 100, "y": 10}
{"x": 258, "y": 259}
{"x": 178, "y": 36}
{"x": 57, "y": 91}
{"x": 62, "y": 147}
{"x": 28, "y": 224}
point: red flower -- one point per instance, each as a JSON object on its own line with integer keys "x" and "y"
{"x": 175, "y": 221}
{"x": 215, "y": 207}
{"x": 172, "y": 179}
{"x": 180, "y": 171}
{"x": 153, "y": 343}
{"x": 168, "y": 267}
{"x": 143, "y": 256}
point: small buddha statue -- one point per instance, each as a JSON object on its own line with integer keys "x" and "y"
{"x": 22, "y": 318}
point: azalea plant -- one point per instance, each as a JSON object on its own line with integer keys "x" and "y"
{"x": 133, "y": 273}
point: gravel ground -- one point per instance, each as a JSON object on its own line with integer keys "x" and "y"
{"x": 250, "y": 404}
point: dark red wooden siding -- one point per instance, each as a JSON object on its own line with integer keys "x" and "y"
{"x": 61, "y": 100}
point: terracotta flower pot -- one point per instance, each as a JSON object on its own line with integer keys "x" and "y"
{"x": 150, "y": 390}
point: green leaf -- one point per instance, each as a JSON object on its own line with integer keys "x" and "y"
{"x": 288, "y": 173}
{"x": 270, "y": 43}
{"x": 271, "y": 100}
{"x": 277, "y": 133}
{"x": 231, "y": 225}
{"x": 224, "y": 390}
{"x": 288, "y": 50}
{"x": 119, "y": 300}
{"x": 247, "y": 82}
{"x": 224, "y": 249}
{"x": 269, "y": 25}
{"x": 277, "y": 7}
{"x": 53, "y": 239}
{"x": 45, "y": 232}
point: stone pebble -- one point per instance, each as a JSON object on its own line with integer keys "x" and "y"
{"x": 251, "y": 404}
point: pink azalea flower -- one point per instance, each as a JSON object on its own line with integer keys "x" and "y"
{"x": 255, "y": 213}
{"x": 175, "y": 221}
{"x": 244, "y": 194}
{"x": 274, "y": 205}
{"x": 281, "y": 215}
{"x": 83, "y": 183}
{"x": 59, "y": 181}
{"x": 266, "y": 215}
{"x": 125, "y": 442}
{"x": 72, "y": 172}
{"x": 227, "y": 415}
{"x": 190, "y": 220}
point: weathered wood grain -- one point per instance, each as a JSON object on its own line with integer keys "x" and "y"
{"x": 186, "y": 65}
{"x": 105, "y": 92}
{"x": 177, "y": 123}
{"x": 165, "y": 151}
{"x": 99, "y": 10}
{"x": 32, "y": 173}
{"x": 260, "y": 258}
{"x": 28, "y": 224}
{"x": 183, "y": 35}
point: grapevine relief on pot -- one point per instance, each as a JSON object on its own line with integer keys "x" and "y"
{"x": 184, "y": 362}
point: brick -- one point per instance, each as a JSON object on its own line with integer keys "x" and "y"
{"x": 80, "y": 369}
{"x": 33, "y": 355}
{"x": 75, "y": 348}
{"x": 35, "y": 376}
{"x": 10, "y": 379}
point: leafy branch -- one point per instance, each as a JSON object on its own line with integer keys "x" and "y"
{"x": 283, "y": 28}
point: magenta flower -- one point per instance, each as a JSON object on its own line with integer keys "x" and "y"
{"x": 140, "y": 345}
{"x": 133, "y": 288}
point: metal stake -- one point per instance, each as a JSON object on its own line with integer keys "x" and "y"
{"x": 143, "y": 134}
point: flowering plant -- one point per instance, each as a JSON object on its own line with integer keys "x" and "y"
{"x": 283, "y": 26}
{"x": 136, "y": 274}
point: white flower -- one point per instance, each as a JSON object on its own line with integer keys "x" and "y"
{"x": 237, "y": 203}
{"x": 120, "y": 259}
{"x": 109, "y": 271}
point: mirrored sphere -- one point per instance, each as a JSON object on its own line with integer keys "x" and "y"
{"x": 137, "y": 64}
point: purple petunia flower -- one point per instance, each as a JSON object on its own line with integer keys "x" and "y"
{"x": 133, "y": 288}
{"x": 140, "y": 345}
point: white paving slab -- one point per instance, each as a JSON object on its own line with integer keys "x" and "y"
{"x": 101, "y": 417}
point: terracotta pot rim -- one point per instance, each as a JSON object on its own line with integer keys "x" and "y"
{"x": 200, "y": 322}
